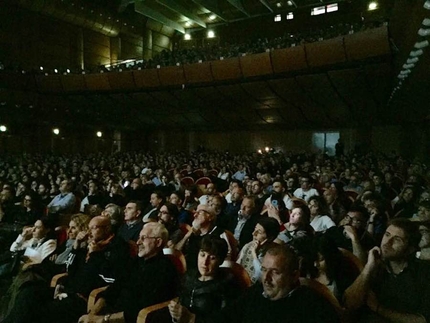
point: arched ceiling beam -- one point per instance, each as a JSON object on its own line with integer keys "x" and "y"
{"x": 143, "y": 9}
{"x": 175, "y": 6}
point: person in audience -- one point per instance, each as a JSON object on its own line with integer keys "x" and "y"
{"x": 37, "y": 242}
{"x": 116, "y": 195}
{"x": 152, "y": 279}
{"x": 94, "y": 196}
{"x": 265, "y": 232}
{"x": 232, "y": 209}
{"x": 204, "y": 223}
{"x": 130, "y": 229}
{"x": 115, "y": 215}
{"x": 177, "y": 198}
{"x": 320, "y": 221}
{"x": 43, "y": 192}
{"x": 208, "y": 289}
{"x": 257, "y": 192}
{"x": 64, "y": 202}
{"x": 393, "y": 286}
{"x": 151, "y": 213}
{"x": 423, "y": 213}
{"x": 424, "y": 253}
{"x": 278, "y": 193}
{"x": 305, "y": 191}
{"x": 329, "y": 267}
{"x": 351, "y": 233}
{"x": 168, "y": 216}
{"x": 190, "y": 198}
{"x": 404, "y": 204}
{"x": 30, "y": 210}
{"x": 8, "y": 209}
{"x": 211, "y": 190}
{"x": 336, "y": 210}
{"x": 279, "y": 297}
{"x": 242, "y": 225}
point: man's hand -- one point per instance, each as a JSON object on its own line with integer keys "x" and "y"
{"x": 80, "y": 237}
{"x": 350, "y": 232}
{"x": 373, "y": 259}
{"x": 27, "y": 233}
{"x": 178, "y": 312}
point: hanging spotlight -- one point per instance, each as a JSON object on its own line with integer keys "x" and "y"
{"x": 99, "y": 134}
{"x": 56, "y": 131}
{"x": 3, "y": 128}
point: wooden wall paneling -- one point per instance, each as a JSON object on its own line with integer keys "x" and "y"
{"x": 171, "y": 75}
{"x": 226, "y": 69}
{"x": 198, "y": 73}
{"x": 97, "y": 82}
{"x": 326, "y": 52}
{"x": 146, "y": 78}
{"x": 368, "y": 43}
{"x": 256, "y": 65}
{"x": 121, "y": 81}
{"x": 289, "y": 59}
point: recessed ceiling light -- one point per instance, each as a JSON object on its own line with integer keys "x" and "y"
{"x": 372, "y": 6}
{"x": 212, "y": 17}
{"x": 279, "y": 5}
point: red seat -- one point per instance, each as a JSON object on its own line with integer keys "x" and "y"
{"x": 187, "y": 181}
{"x": 203, "y": 181}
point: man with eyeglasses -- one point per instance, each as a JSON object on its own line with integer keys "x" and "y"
{"x": 351, "y": 233}
{"x": 152, "y": 279}
{"x": 305, "y": 191}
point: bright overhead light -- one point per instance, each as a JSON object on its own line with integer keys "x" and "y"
{"x": 290, "y": 3}
{"x": 421, "y": 44}
{"x": 3, "y": 128}
{"x": 41, "y": 68}
{"x": 427, "y": 5}
{"x": 412, "y": 60}
{"x": 55, "y": 70}
{"x": 372, "y": 6}
{"x": 279, "y": 5}
{"x": 402, "y": 76}
{"x": 212, "y": 17}
{"x": 416, "y": 53}
{"x": 56, "y": 131}
{"x": 187, "y": 36}
{"x": 405, "y": 72}
{"x": 408, "y": 66}
{"x": 188, "y": 24}
{"x": 426, "y": 22}
{"x": 211, "y": 34}
{"x": 99, "y": 134}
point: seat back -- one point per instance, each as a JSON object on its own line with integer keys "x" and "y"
{"x": 158, "y": 313}
{"x": 241, "y": 276}
{"x": 178, "y": 259}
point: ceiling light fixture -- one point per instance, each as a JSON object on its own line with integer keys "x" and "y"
{"x": 426, "y": 22}
{"x": 427, "y": 5}
{"x": 408, "y": 66}
{"x": 424, "y": 32}
{"x": 372, "y": 6}
{"x": 212, "y": 17}
{"x": 412, "y": 60}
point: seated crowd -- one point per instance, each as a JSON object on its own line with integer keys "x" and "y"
{"x": 215, "y": 52}
{"x": 222, "y": 237}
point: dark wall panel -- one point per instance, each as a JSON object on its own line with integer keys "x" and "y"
{"x": 146, "y": 78}
{"x": 369, "y": 43}
{"x": 97, "y": 82}
{"x": 327, "y": 52}
{"x": 197, "y": 73}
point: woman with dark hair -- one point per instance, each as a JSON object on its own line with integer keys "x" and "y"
{"x": 208, "y": 289}
{"x": 329, "y": 267}
{"x": 320, "y": 221}
{"x": 30, "y": 210}
{"x": 340, "y": 195}
{"x": 250, "y": 257}
{"x": 37, "y": 242}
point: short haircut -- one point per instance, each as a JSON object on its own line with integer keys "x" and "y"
{"x": 139, "y": 205}
{"x": 280, "y": 181}
{"x": 411, "y": 230}
{"x": 158, "y": 230}
{"x": 306, "y": 213}
{"x": 359, "y": 209}
{"x": 251, "y": 198}
{"x": 215, "y": 246}
{"x": 173, "y": 210}
{"x": 289, "y": 256}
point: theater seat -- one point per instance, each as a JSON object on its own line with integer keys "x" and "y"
{"x": 158, "y": 313}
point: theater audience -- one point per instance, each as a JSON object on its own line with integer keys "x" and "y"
{"x": 424, "y": 252}
{"x": 130, "y": 229}
{"x": 320, "y": 221}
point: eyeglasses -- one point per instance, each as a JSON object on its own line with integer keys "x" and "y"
{"x": 27, "y": 200}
